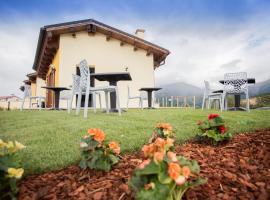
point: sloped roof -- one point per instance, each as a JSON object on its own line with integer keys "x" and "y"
{"x": 49, "y": 40}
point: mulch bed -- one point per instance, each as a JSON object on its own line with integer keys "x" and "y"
{"x": 239, "y": 169}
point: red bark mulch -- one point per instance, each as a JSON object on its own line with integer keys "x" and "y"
{"x": 239, "y": 169}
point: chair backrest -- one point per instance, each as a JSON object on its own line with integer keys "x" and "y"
{"x": 76, "y": 83}
{"x": 27, "y": 91}
{"x": 85, "y": 74}
{"x": 235, "y": 82}
{"x": 207, "y": 89}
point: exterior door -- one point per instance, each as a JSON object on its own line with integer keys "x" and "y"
{"x": 49, "y": 94}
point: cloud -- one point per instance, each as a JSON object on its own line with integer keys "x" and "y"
{"x": 201, "y": 48}
{"x": 18, "y": 43}
{"x": 230, "y": 65}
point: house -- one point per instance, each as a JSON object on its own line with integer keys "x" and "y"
{"x": 62, "y": 46}
{"x": 10, "y": 102}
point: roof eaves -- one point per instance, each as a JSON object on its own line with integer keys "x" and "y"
{"x": 39, "y": 45}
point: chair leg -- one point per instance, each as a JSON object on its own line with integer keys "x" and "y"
{"x": 79, "y": 102}
{"x": 107, "y": 101}
{"x": 39, "y": 103}
{"x": 203, "y": 102}
{"x": 209, "y": 103}
{"x": 220, "y": 103}
{"x": 247, "y": 98}
{"x": 94, "y": 102}
{"x": 86, "y": 104}
{"x": 30, "y": 103}
{"x": 223, "y": 102}
{"x": 70, "y": 103}
{"x": 226, "y": 104}
{"x": 141, "y": 102}
{"x": 127, "y": 103}
{"x": 22, "y": 103}
{"x": 117, "y": 101}
{"x": 99, "y": 96}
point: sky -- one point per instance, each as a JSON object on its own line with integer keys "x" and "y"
{"x": 206, "y": 38}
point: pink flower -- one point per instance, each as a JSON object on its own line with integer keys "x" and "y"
{"x": 86, "y": 136}
{"x": 180, "y": 180}
{"x": 83, "y": 144}
{"x": 172, "y": 156}
{"x": 144, "y": 163}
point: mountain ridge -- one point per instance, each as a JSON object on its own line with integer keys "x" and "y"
{"x": 185, "y": 89}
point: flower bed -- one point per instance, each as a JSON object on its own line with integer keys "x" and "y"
{"x": 238, "y": 168}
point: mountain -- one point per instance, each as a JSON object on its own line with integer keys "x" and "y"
{"x": 260, "y": 88}
{"x": 179, "y": 89}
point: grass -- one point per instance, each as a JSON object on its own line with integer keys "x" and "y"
{"x": 52, "y": 137}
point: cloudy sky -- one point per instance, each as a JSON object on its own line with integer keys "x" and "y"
{"x": 206, "y": 38}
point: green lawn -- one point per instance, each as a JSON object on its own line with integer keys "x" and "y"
{"x": 52, "y": 137}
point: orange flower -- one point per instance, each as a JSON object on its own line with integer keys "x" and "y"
{"x": 165, "y": 126}
{"x": 115, "y": 147}
{"x": 92, "y": 131}
{"x": 160, "y": 143}
{"x": 186, "y": 171}
{"x": 98, "y": 134}
{"x": 144, "y": 163}
{"x": 148, "y": 150}
{"x": 169, "y": 142}
{"x": 172, "y": 156}
{"x": 158, "y": 156}
{"x": 174, "y": 170}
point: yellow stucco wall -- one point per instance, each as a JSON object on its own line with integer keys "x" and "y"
{"x": 55, "y": 63}
{"x": 33, "y": 88}
{"x": 107, "y": 56}
{"x": 40, "y": 91}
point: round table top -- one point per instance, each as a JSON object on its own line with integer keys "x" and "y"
{"x": 250, "y": 81}
{"x": 55, "y": 88}
{"x": 112, "y": 76}
{"x": 150, "y": 89}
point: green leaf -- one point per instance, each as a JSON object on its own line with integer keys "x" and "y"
{"x": 151, "y": 168}
{"x": 159, "y": 192}
{"x": 163, "y": 175}
{"x": 113, "y": 159}
{"x": 192, "y": 164}
{"x": 83, "y": 164}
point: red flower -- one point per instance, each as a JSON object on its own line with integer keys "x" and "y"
{"x": 212, "y": 116}
{"x": 222, "y": 129}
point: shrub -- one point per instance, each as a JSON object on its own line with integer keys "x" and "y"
{"x": 96, "y": 154}
{"x": 213, "y": 129}
{"x": 10, "y": 168}
{"x": 162, "y": 130}
{"x": 163, "y": 174}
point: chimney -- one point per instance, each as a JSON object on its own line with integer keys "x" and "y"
{"x": 140, "y": 33}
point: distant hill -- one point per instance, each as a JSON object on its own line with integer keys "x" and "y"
{"x": 179, "y": 89}
{"x": 260, "y": 88}
{"x": 184, "y": 89}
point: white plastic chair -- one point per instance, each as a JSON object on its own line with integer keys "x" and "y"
{"x": 28, "y": 94}
{"x": 75, "y": 91}
{"x": 134, "y": 97}
{"x": 236, "y": 84}
{"x": 84, "y": 87}
{"x": 210, "y": 95}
